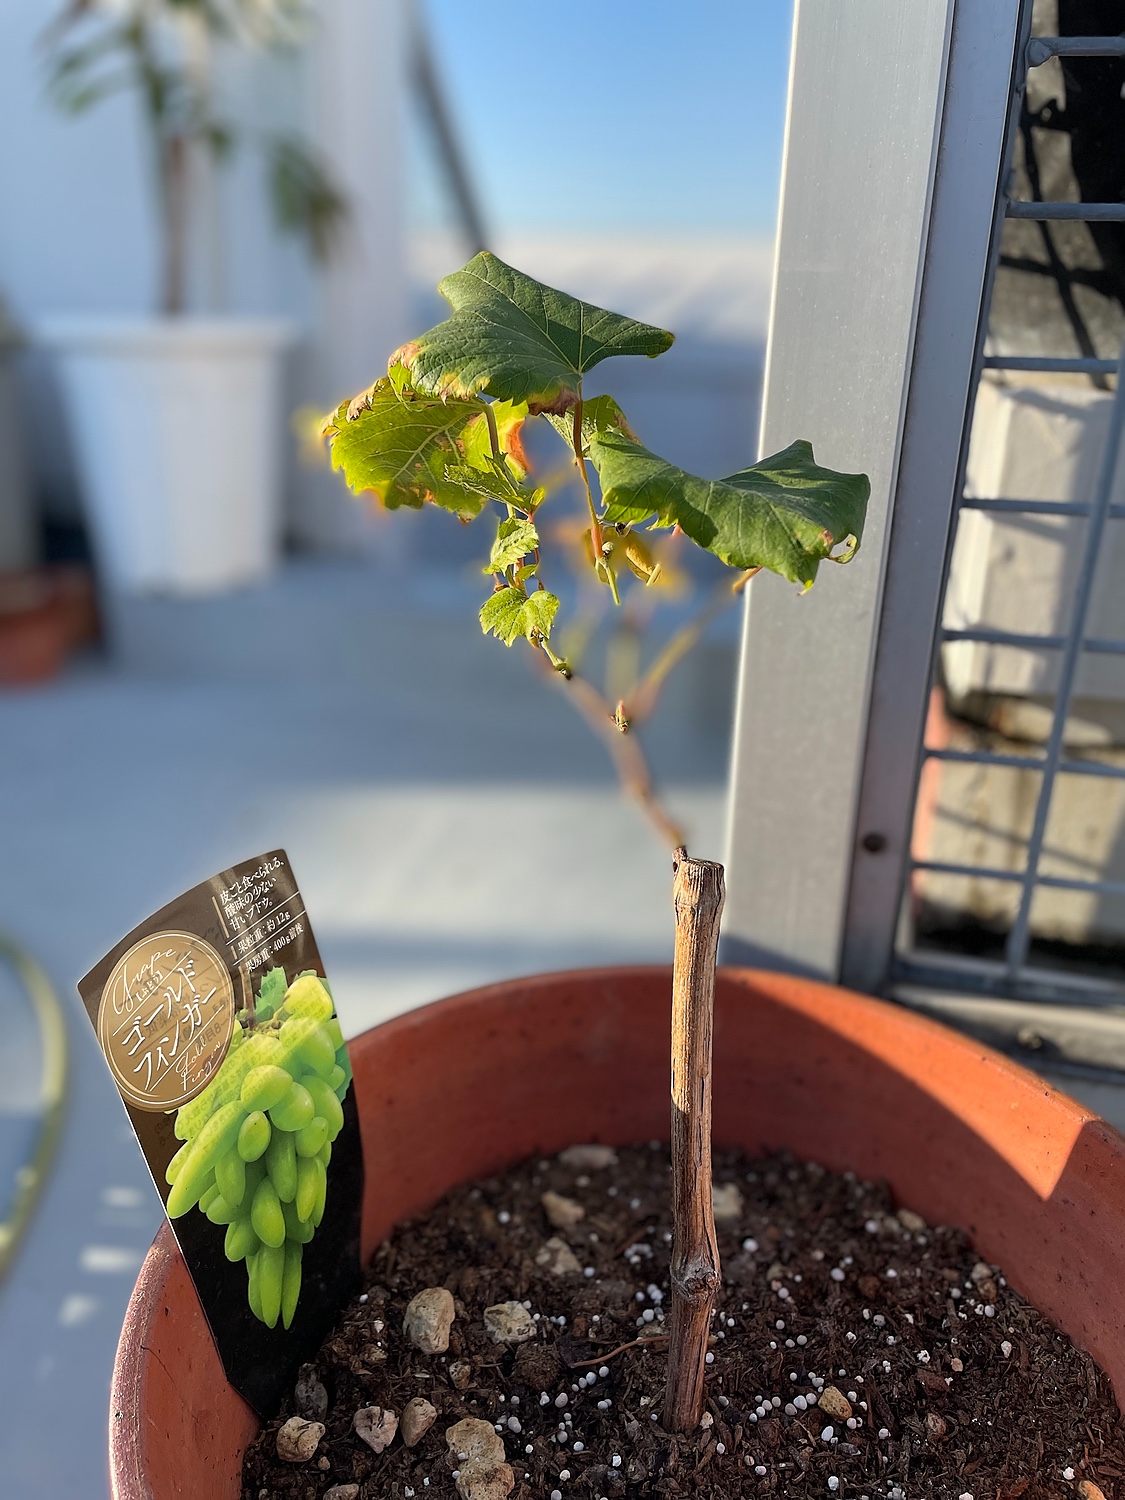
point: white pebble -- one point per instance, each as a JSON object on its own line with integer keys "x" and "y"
{"x": 923, "y": 1356}
{"x": 561, "y": 1399}
{"x": 780, "y": 1323}
{"x": 783, "y": 1293}
{"x": 530, "y": 1448}
{"x": 1005, "y": 1349}
{"x": 720, "y": 1447}
{"x": 759, "y": 1469}
{"x": 828, "y": 1434}
{"x": 776, "y": 1401}
{"x": 872, "y": 1226}
{"x": 750, "y": 1245}
{"x": 603, "y": 1405}
{"x": 852, "y": 1423}
{"x": 363, "y": 1296}
{"x": 514, "y": 1424}
{"x": 564, "y": 1473}
{"x": 965, "y": 1496}
{"x": 556, "y": 1495}
{"x": 616, "y": 1460}
{"x": 710, "y": 1359}
{"x": 802, "y": 1340}
{"x": 790, "y": 1409}
{"x": 836, "y": 1275}
{"x": 504, "y": 1217}
{"x": 800, "y": 1403}
{"x": 1068, "y": 1472}
{"x": 833, "y": 1482}
{"x": 989, "y": 1311}
{"x": 544, "y": 1399}
{"x": 603, "y": 1371}
{"x": 884, "y": 1432}
{"x": 578, "y": 1446}
{"x": 891, "y": 1272}
{"x": 588, "y": 1271}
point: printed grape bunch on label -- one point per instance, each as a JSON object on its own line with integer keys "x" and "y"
{"x": 258, "y": 1138}
{"x": 220, "y": 1031}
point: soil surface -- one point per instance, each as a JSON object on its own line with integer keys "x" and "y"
{"x": 856, "y": 1352}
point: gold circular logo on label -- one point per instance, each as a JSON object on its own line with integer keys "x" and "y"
{"x": 165, "y": 1019}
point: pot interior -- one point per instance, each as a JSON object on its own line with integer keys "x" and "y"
{"x": 471, "y": 1084}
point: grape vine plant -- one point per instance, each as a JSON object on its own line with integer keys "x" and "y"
{"x": 445, "y": 426}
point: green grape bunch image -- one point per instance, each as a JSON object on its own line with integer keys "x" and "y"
{"x": 258, "y": 1139}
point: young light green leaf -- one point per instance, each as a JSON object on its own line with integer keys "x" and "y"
{"x": 492, "y": 480}
{"x": 518, "y": 340}
{"x": 600, "y": 414}
{"x": 401, "y": 447}
{"x": 509, "y": 417}
{"x": 785, "y": 513}
{"x": 510, "y": 613}
{"x": 515, "y": 539}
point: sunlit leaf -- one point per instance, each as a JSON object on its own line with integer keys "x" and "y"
{"x": 401, "y": 447}
{"x": 600, "y": 414}
{"x": 510, "y": 613}
{"x": 785, "y": 513}
{"x": 515, "y": 339}
{"x": 515, "y": 539}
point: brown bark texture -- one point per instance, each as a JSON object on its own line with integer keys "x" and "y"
{"x": 699, "y": 893}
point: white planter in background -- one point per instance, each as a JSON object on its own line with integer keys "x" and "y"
{"x": 178, "y": 428}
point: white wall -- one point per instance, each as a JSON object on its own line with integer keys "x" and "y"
{"x": 77, "y": 232}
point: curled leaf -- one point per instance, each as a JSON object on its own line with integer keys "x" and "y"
{"x": 408, "y": 449}
{"x": 785, "y": 513}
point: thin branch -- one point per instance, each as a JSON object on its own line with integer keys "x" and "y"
{"x": 643, "y": 699}
{"x": 628, "y": 758}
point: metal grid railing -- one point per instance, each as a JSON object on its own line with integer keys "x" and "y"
{"x": 1015, "y": 975}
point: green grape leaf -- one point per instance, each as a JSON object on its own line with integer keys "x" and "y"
{"x": 492, "y": 480}
{"x": 400, "y": 446}
{"x": 600, "y": 414}
{"x": 785, "y": 513}
{"x": 518, "y": 340}
{"x": 509, "y": 417}
{"x": 515, "y": 538}
{"x": 510, "y": 613}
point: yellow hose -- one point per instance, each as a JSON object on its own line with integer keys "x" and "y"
{"x": 32, "y": 1175}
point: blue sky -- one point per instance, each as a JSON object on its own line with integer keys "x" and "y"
{"x": 619, "y": 115}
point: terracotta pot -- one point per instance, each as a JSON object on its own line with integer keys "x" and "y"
{"x": 44, "y": 614}
{"x": 471, "y": 1084}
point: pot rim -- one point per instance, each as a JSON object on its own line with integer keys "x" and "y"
{"x": 913, "y": 1045}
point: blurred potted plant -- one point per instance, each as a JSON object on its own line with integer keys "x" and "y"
{"x": 177, "y": 417}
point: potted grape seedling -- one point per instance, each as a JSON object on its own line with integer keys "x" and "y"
{"x": 896, "y": 1124}
{"x": 445, "y": 427}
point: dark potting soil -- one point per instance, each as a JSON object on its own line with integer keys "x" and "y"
{"x": 857, "y": 1352}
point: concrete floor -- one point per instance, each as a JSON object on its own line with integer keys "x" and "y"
{"x": 450, "y": 821}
